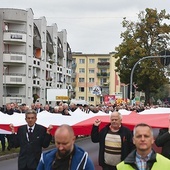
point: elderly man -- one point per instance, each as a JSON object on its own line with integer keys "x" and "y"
{"x": 115, "y": 141}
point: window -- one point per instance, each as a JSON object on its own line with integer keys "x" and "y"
{"x": 73, "y": 80}
{"x": 91, "y": 71}
{"x": 103, "y": 80}
{"x": 81, "y": 79}
{"x": 91, "y": 80}
{"x": 90, "y": 89}
{"x": 81, "y": 61}
{"x": 103, "y": 60}
{"x": 91, "y": 61}
{"x": 91, "y": 99}
{"x": 103, "y": 70}
{"x": 81, "y": 89}
{"x": 101, "y": 99}
{"x": 81, "y": 97}
{"x": 81, "y": 70}
{"x": 14, "y": 90}
{"x": 29, "y": 72}
{"x": 43, "y": 74}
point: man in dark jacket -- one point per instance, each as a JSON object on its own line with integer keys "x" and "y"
{"x": 144, "y": 157}
{"x": 115, "y": 141}
{"x": 30, "y": 138}
{"x": 163, "y": 140}
{"x": 10, "y": 111}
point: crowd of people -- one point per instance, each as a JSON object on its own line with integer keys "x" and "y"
{"x": 119, "y": 147}
{"x": 61, "y": 108}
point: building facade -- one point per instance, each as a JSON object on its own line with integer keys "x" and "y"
{"x": 34, "y": 57}
{"x": 92, "y": 71}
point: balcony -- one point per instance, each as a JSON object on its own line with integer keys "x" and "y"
{"x": 15, "y": 36}
{"x": 103, "y": 74}
{"x": 51, "y": 61}
{"x": 14, "y": 99}
{"x": 105, "y": 84}
{"x": 73, "y": 84}
{"x": 14, "y": 57}
{"x": 49, "y": 79}
{"x": 60, "y": 53}
{"x": 74, "y": 65}
{"x": 69, "y": 56}
{"x": 17, "y": 79}
{"x": 73, "y": 75}
{"x": 101, "y": 65}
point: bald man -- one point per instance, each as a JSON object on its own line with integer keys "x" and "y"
{"x": 66, "y": 155}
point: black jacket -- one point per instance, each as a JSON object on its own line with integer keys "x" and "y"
{"x": 126, "y": 141}
{"x": 30, "y": 151}
{"x": 132, "y": 156}
{"x": 163, "y": 140}
{"x": 9, "y": 112}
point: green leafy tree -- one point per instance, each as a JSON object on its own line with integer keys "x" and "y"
{"x": 146, "y": 37}
{"x": 162, "y": 93}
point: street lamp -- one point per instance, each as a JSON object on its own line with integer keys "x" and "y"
{"x": 131, "y": 76}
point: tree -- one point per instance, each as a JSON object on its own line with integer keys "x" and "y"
{"x": 147, "y": 37}
{"x": 162, "y": 93}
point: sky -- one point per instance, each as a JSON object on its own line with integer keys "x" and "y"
{"x": 93, "y": 26}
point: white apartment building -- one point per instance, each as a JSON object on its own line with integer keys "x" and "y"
{"x": 34, "y": 57}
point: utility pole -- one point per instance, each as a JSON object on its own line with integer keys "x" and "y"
{"x": 131, "y": 75}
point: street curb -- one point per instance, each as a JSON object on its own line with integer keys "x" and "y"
{"x": 9, "y": 156}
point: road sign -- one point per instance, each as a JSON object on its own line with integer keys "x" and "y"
{"x": 62, "y": 97}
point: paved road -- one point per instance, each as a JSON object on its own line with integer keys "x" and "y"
{"x": 91, "y": 148}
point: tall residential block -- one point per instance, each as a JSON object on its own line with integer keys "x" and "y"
{"x": 34, "y": 57}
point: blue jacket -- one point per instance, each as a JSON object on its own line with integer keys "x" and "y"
{"x": 80, "y": 160}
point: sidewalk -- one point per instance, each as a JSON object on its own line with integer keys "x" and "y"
{"x": 14, "y": 155}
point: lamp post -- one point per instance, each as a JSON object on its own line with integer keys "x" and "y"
{"x": 131, "y": 76}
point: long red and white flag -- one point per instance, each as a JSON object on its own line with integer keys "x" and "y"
{"x": 82, "y": 122}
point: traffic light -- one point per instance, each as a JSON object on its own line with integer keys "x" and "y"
{"x": 165, "y": 61}
{"x": 133, "y": 92}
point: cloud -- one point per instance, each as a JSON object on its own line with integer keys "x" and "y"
{"x": 93, "y": 26}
